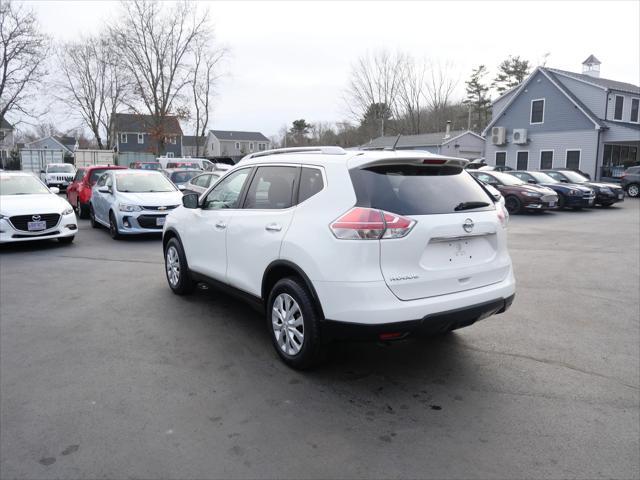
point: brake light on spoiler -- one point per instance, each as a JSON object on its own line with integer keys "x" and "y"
{"x": 361, "y": 223}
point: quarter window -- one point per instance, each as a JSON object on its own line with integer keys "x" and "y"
{"x": 522, "y": 161}
{"x": 537, "y": 111}
{"x": 573, "y": 159}
{"x": 635, "y": 103}
{"x": 310, "y": 183}
{"x": 501, "y": 159}
{"x": 226, "y": 194}
{"x": 617, "y": 113}
{"x": 271, "y": 188}
{"x": 546, "y": 160}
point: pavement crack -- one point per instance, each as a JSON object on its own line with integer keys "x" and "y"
{"x": 553, "y": 363}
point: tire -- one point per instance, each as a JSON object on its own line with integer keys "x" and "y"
{"x": 177, "y": 269}
{"x": 562, "y": 201}
{"x": 92, "y": 217}
{"x": 606, "y": 205}
{"x": 513, "y": 204}
{"x": 81, "y": 210}
{"x": 289, "y": 297}
{"x": 633, "y": 190}
{"x": 113, "y": 227}
{"x": 66, "y": 240}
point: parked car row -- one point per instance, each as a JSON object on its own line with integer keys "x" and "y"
{"x": 549, "y": 189}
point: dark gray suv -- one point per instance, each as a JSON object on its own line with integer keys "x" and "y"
{"x": 630, "y": 181}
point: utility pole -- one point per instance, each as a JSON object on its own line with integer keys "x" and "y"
{"x": 469, "y": 119}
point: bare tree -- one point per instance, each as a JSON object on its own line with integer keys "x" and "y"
{"x": 92, "y": 84}
{"x": 374, "y": 85}
{"x": 154, "y": 45}
{"x": 205, "y": 74}
{"x": 440, "y": 87}
{"x": 24, "y": 51}
{"x": 411, "y": 103}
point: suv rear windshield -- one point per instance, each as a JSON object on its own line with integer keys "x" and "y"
{"x": 418, "y": 190}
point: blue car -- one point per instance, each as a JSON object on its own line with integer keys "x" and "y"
{"x": 570, "y": 195}
{"x": 132, "y": 201}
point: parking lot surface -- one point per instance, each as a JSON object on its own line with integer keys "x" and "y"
{"x": 104, "y": 373}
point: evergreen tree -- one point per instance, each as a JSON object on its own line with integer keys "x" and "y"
{"x": 511, "y": 72}
{"x": 477, "y": 97}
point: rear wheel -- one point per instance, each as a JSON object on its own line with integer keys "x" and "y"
{"x": 113, "y": 227}
{"x": 513, "y": 204}
{"x": 294, "y": 324}
{"x": 81, "y": 210}
{"x": 177, "y": 269}
{"x": 92, "y": 217}
{"x": 633, "y": 190}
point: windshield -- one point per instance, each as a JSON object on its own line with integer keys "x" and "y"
{"x": 543, "y": 177}
{"x": 418, "y": 190}
{"x": 140, "y": 182}
{"x": 150, "y": 166}
{"x": 183, "y": 177}
{"x": 60, "y": 169}
{"x": 507, "y": 179}
{"x": 574, "y": 177}
{"x": 21, "y": 185}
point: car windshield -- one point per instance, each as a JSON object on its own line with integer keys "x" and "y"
{"x": 574, "y": 177}
{"x": 543, "y": 177}
{"x": 21, "y": 185}
{"x": 150, "y": 166}
{"x": 141, "y": 182}
{"x": 507, "y": 179}
{"x": 183, "y": 177}
{"x": 60, "y": 169}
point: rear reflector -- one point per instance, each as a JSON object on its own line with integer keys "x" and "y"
{"x": 361, "y": 223}
{"x": 391, "y": 336}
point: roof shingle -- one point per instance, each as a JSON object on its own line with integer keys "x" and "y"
{"x": 134, "y": 123}
{"x": 421, "y": 140}
{"x": 602, "y": 82}
{"x": 239, "y": 135}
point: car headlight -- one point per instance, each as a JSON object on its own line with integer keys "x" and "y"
{"x": 67, "y": 211}
{"x": 574, "y": 192}
{"x": 532, "y": 194}
{"x": 123, "y": 207}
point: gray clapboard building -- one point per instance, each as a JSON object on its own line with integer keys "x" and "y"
{"x": 557, "y": 118}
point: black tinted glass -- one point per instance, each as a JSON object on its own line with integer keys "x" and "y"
{"x": 310, "y": 183}
{"x": 537, "y": 111}
{"x": 271, "y": 188}
{"x": 416, "y": 190}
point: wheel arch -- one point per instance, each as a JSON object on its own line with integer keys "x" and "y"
{"x": 279, "y": 269}
{"x": 168, "y": 235}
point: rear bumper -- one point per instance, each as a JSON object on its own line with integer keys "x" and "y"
{"x": 429, "y": 325}
{"x": 372, "y": 303}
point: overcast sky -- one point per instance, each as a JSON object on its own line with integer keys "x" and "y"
{"x": 292, "y": 60}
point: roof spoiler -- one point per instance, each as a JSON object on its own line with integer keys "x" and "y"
{"x": 434, "y": 161}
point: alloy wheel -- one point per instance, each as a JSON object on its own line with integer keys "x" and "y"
{"x": 173, "y": 266}
{"x": 633, "y": 190}
{"x": 288, "y": 324}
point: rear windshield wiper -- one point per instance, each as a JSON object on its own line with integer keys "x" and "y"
{"x": 470, "y": 205}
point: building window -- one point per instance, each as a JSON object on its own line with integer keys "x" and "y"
{"x": 173, "y": 140}
{"x": 635, "y": 103}
{"x": 169, "y": 154}
{"x": 2, "y": 135}
{"x": 617, "y": 112}
{"x": 546, "y": 159}
{"x": 522, "y": 160}
{"x": 573, "y": 159}
{"x": 537, "y": 111}
{"x": 261, "y": 146}
{"x": 501, "y": 159}
{"x": 237, "y": 145}
{"x": 251, "y": 147}
{"x": 141, "y": 138}
{"x": 123, "y": 138}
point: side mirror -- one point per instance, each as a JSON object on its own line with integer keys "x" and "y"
{"x": 54, "y": 190}
{"x": 564, "y": 180}
{"x": 190, "y": 200}
{"x": 104, "y": 189}
{"x": 531, "y": 180}
{"x": 182, "y": 187}
{"x": 42, "y": 171}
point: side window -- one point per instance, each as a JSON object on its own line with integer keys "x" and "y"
{"x": 201, "y": 181}
{"x": 227, "y": 193}
{"x": 310, "y": 183}
{"x": 102, "y": 179}
{"x": 108, "y": 180}
{"x": 79, "y": 175}
{"x": 271, "y": 188}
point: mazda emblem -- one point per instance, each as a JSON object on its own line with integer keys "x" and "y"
{"x": 36, "y": 218}
{"x": 468, "y": 225}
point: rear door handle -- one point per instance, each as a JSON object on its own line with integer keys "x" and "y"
{"x": 273, "y": 227}
{"x": 221, "y": 225}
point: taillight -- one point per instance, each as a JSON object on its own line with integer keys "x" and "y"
{"x": 370, "y": 224}
{"x": 503, "y": 215}
{"x": 434, "y": 161}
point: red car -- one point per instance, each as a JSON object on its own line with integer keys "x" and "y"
{"x": 79, "y": 191}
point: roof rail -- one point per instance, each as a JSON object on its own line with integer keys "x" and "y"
{"x": 279, "y": 151}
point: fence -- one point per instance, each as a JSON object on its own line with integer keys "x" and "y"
{"x": 36, "y": 159}
{"x": 85, "y": 158}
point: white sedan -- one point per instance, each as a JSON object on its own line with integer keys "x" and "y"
{"x": 31, "y": 211}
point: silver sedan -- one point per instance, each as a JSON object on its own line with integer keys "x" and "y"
{"x": 202, "y": 182}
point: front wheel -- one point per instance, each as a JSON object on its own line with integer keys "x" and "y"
{"x": 92, "y": 217}
{"x": 113, "y": 227}
{"x": 513, "y": 204}
{"x": 633, "y": 190}
{"x": 294, "y": 324}
{"x": 176, "y": 268}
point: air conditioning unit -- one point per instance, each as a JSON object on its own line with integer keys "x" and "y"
{"x": 498, "y": 135}
{"x": 520, "y": 136}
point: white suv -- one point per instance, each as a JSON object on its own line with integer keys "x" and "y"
{"x": 333, "y": 243}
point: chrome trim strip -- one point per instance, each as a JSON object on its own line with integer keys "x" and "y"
{"x": 460, "y": 237}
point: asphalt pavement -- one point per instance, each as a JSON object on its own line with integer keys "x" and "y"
{"x": 104, "y": 373}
